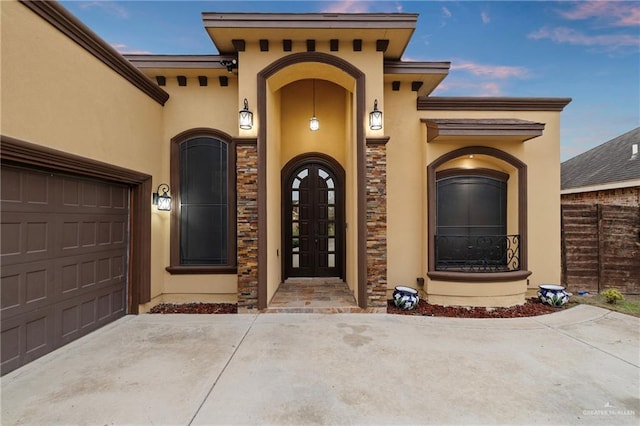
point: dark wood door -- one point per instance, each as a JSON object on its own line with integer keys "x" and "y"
{"x": 313, "y": 221}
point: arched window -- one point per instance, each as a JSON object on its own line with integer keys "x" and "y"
{"x": 203, "y": 236}
{"x": 482, "y": 258}
{"x": 471, "y": 221}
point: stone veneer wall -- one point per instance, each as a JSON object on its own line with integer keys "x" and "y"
{"x": 613, "y": 197}
{"x": 376, "y": 225}
{"x": 247, "y": 226}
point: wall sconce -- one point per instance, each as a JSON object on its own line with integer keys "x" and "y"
{"x": 314, "y": 123}
{"x": 375, "y": 117}
{"x": 162, "y": 201}
{"x": 246, "y": 117}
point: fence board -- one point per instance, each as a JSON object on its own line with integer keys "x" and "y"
{"x": 601, "y": 248}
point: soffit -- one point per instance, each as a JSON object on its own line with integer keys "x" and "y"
{"x": 187, "y": 65}
{"x": 224, "y": 28}
{"x": 482, "y": 130}
{"x": 422, "y": 77}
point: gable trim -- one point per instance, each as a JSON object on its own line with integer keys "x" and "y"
{"x": 521, "y": 130}
{"x": 491, "y": 104}
{"x": 70, "y": 26}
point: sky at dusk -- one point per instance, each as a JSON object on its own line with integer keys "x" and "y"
{"x": 585, "y": 50}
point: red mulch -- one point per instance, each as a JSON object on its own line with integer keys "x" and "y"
{"x": 532, "y": 307}
{"x": 195, "y": 308}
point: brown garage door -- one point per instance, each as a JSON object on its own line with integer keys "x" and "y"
{"x": 64, "y": 260}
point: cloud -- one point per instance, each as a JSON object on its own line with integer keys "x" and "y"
{"x": 460, "y": 87}
{"x": 126, "y": 50}
{"x": 495, "y": 71}
{"x": 347, "y": 6}
{"x": 107, "y": 6}
{"x": 619, "y": 14}
{"x": 485, "y": 17}
{"x": 446, "y": 12}
{"x": 571, "y": 36}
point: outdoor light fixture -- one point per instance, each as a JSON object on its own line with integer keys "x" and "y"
{"x": 375, "y": 117}
{"x": 230, "y": 64}
{"x": 314, "y": 124}
{"x": 162, "y": 201}
{"x": 246, "y": 116}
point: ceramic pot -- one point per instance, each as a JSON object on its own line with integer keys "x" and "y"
{"x": 553, "y": 295}
{"x": 405, "y": 298}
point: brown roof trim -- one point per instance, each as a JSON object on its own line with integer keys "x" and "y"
{"x": 179, "y": 61}
{"x": 400, "y": 67}
{"x": 310, "y": 20}
{"x": 66, "y": 23}
{"x": 491, "y": 104}
{"x": 482, "y": 127}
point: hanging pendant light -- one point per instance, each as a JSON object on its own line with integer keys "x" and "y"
{"x": 314, "y": 123}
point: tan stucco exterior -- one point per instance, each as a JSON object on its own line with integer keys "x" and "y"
{"x": 58, "y": 95}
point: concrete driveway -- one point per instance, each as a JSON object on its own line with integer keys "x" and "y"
{"x": 577, "y": 366}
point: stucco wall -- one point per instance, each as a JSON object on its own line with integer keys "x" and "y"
{"x": 56, "y": 94}
{"x": 193, "y": 106}
{"x": 409, "y": 154}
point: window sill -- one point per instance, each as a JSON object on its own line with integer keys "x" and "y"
{"x": 478, "y": 277}
{"x": 194, "y": 270}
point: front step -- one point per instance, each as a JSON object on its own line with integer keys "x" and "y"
{"x": 315, "y": 295}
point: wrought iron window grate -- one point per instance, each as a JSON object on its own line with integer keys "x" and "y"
{"x": 477, "y": 253}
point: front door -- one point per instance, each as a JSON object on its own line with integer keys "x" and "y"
{"x": 313, "y": 221}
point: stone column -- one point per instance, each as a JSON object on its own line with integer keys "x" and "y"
{"x": 376, "y": 223}
{"x": 247, "y": 226}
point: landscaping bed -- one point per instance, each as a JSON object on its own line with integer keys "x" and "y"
{"x": 195, "y": 308}
{"x": 532, "y": 307}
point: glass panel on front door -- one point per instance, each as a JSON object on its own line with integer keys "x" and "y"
{"x": 313, "y": 242}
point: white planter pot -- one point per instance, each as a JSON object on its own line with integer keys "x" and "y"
{"x": 553, "y": 295}
{"x": 405, "y": 298}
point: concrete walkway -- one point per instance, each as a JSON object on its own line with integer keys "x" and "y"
{"x": 577, "y": 366}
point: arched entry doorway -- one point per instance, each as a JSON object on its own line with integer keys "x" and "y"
{"x": 313, "y": 217}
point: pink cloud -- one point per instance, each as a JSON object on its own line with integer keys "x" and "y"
{"x": 347, "y": 6}
{"x": 571, "y": 36}
{"x": 125, "y": 50}
{"x": 620, "y": 14}
{"x": 496, "y": 71}
{"x": 457, "y": 87}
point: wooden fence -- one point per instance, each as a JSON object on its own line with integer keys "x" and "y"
{"x": 601, "y": 248}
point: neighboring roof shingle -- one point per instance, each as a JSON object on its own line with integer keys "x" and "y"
{"x": 607, "y": 163}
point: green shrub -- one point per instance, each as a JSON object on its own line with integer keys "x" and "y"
{"x": 612, "y": 295}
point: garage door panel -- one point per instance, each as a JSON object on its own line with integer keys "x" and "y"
{"x": 81, "y": 315}
{"x": 26, "y": 338}
{"x": 93, "y": 196}
{"x": 28, "y": 190}
{"x": 64, "y": 260}
{"x": 26, "y": 237}
{"x": 92, "y": 233}
{"x": 27, "y": 287}
{"x": 91, "y": 271}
